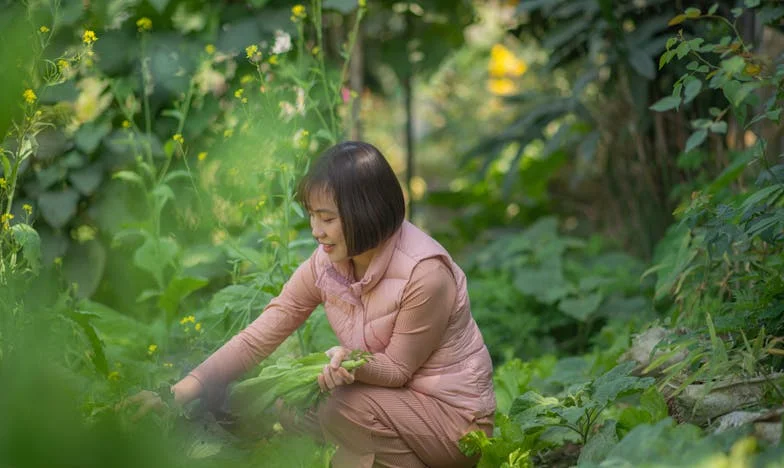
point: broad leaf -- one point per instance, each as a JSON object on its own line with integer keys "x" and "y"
{"x": 177, "y": 290}
{"x": 28, "y": 239}
{"x": 617, "y": 382}
{"x": 57, "y": 208}
{"x": 581, "y": 308}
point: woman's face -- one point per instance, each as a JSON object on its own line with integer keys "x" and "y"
{"x": 326, "y": 226}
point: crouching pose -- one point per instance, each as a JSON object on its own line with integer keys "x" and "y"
{"x": 391, "y": 290}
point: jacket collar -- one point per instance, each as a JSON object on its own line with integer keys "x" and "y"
{"x": 338, "y": 277}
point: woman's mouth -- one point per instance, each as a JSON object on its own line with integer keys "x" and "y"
{"x": 328, "y": 247}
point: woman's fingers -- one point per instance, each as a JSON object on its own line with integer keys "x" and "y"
{"x": 337, "y": 357}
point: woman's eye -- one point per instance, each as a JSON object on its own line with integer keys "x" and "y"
{"x": 328, "y": 220}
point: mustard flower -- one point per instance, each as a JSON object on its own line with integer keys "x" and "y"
{"x": 362, "y": 3}
{"x": 29, "y": 96}
{"x": 44, "y": 29}
{"x": 126, "y": 124}
{"x": 168, "y": 365}
{"x": 3, "y": 183}
{"x": 27, "y": 208}
{"x": 151, "y": 349}
{"x": 238, "y": 93}
{"x": 209, "y": 48}
{"x": 113, "y": 376}
{"x": 63, "y": 65}
{"x": 251, "y": 51}
{"x": 202, "y": 156}
{"x": 89, "y": 37}
{"x": 189, "y": 318}
{"x": 144, "y": 24}
{"x": 197, "y": 327}
{"x": 298, "y": 12}
{"x": 178, "y": 138}
{"x": 273, "y": 60}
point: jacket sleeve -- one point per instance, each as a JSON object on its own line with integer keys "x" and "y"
{"x": 280, "y": 318}
{"x": 427, "y": 304}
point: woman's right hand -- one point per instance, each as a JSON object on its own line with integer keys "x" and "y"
{"x": 184, "y": 391}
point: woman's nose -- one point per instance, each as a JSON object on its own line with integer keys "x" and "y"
{"x": 316, "y": 231}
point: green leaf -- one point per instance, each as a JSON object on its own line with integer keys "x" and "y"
{"x": 677, "y": 20}
{"x": 155, "y": 255}
{"x": 642, "y": 64}
{"x": 178, "y": 289}
{"x": 665, "y": 58}
{"x": 129, "y": 176}
{"x": 666, "y": 103}
{"x": 89, "y": 136}
{"x": 695, "y": 139}
{"x": 617, "y": 382}
{"x": 159, "y": 5}
{"x": 28, "y": 239}
{"x": 174, "y": 175}
{"x": 751, "y": 3}
{"x": 736, "y": 12}
{"x": 87, "y": 179}
{"x": 692, "y": 12}
{"x": 691, "y": 90}
{"x": 719, "y": 127}
{"x": 600, "y": 444}
{"x": 581, "y": 308}
{"x": 57, "y": 208}
{"x": 713, "y": 8}
{"x": 343, "y": 6}
{"x": 84, "y": 264}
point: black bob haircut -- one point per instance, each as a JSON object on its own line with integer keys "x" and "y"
{"x": 365, "y": 189}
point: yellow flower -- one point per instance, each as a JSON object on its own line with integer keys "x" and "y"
{"x": 189, "y": 318}
{"x": 44, "y": 29}
{"x": 273, "y": 60}
{"x": 298, "y": 12}
{"x": 58, "y": 261}
{"x": 63, "y": 65}
{"x": 126, "y": 124}
{"x": 315, "y": 50}
{"x": 152, "y": 348}
{"x": 114, "y": 376}
{"x": 89, "y": 37}
{"x": 209, "y": 48}
{"x": 246, "y": 78}
{"x": 178, "y": 138}
{"x": 197, "y": 327}
{"x": 5, "y": 220}
{"x": 27, "y": 208}
{"x": 251, "y": 51}
{"x": 238, "y": 93}
{"x": 228, "y": 133}
{"x": 29, "y": 96}
{"x": 501, "y": 86}
{"x": 202, "y": 156}
{"x": 503, "y": 63}
{"x": 362, "y": 3}
{"x": 3, "y": 183}
{"x": 144, "y": 24}
{"x": 168, "y": 365}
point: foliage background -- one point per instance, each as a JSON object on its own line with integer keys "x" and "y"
{"x": 608, "y": 174}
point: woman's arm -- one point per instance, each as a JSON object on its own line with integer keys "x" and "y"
{"x": 280, "y": 318}
{"x": 427, "y": 304}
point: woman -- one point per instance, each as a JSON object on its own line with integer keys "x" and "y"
{"x": 387, "y": 288}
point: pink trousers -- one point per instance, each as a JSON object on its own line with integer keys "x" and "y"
{"x": 391, "y": 427}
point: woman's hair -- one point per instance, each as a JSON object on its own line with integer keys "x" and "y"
{"x": 365, "y": 189}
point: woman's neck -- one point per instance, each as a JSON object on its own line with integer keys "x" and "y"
{"x": 362, "y": 262}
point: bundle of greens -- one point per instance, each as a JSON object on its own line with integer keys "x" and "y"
{"x": 295, "y": 381}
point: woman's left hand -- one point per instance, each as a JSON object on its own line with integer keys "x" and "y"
{"x": 334, "y": 375}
